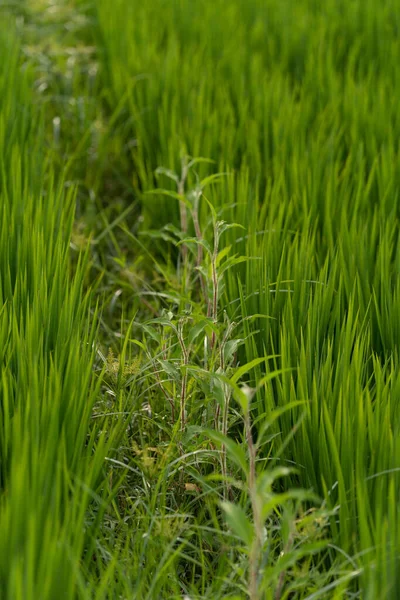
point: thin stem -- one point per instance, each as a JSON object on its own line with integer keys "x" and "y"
{"x": 213, "y": 308}
{"x": 225, "y": 414}
{"x": 281, "y": 581}
{"x": 255, "y": 553}
{"x": 183, "y": 394}
{"x": 199, "y": 236}
{"x": 183, "y": 209}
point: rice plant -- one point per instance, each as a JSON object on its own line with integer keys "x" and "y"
{"x": 199, "y": 299}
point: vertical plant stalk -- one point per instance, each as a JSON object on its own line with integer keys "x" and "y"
{"x": 213, "y": 304}
{"x": 225, "y": 413}
{"x": 184, "y": 380}
{"x": 255, "y": 553}
{"x": 183, "y": 210}
{"x": 199, "y": 236}
{"x": 281, "y": 581}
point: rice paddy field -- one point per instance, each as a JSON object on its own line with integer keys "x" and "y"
{"x": 199, "y": 299}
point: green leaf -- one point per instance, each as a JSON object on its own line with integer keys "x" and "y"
{"x": 200, "y": 328}
{"x": 199, "y": 159}
{"x": 212, "y": 179}
{"x": 234, "y": 450}
{"x": 168, "y": 173}
{"x": 232, "y": 262}
{"x": 246, "y": 368}
{"x": 238, "y": 521}
{"x": 169, "y": 194}
{"x": 196, "y": 241}
{"x": 170, "y": 369}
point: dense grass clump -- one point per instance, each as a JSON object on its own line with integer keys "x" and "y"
{"x": 199, "y": 299}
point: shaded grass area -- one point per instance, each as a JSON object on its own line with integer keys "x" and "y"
{"x": 230, "y": 337}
